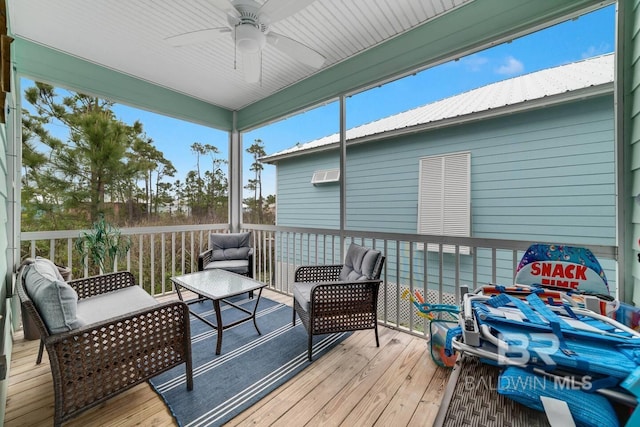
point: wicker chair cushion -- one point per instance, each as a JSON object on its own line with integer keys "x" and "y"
{"x": 302, "y": 294}
{"x": 115, "y": 303}
{"x": 359, "y": 263}
{"x": 240, "y": 266}
{"x": 229, "y": 246}
{"x": 55, "y": 300}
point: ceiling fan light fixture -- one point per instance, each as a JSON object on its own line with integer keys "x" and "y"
{"x": 249, "y": 22}
{"x": 249, "y": 39}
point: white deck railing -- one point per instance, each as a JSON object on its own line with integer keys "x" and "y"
{"x": 157, "y": 253}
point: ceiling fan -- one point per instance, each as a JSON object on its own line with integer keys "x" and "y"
{"x": 248, "y": 24}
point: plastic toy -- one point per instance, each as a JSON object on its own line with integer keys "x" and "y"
{"x": 438, "y": 326}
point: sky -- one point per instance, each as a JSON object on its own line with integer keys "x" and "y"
{"x": 590, "y": 35}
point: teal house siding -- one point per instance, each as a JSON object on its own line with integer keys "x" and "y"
{"x": 382, "y": 192}
{"x": 556, "y": 176}
{"x": 544, "y": 175}
{"x": 302, "y": 204}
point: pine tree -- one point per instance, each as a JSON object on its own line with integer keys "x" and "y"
{"x": 257, "y": 150}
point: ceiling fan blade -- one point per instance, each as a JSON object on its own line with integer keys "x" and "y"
{"x": 280, "y": 9}
{"x": 199, "y": 36}
{"x": 227, "y": 7}
{"x": 251, "y": 66}
{"x": 296, "y": 50}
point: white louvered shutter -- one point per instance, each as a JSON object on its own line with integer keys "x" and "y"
{"x": 444, "y": 200}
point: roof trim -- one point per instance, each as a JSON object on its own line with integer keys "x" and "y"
{"x": 44, "y": 64}
{"x": 529, "y": 105}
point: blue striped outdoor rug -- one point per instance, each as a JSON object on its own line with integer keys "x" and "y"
{"x": 249, "y": 367}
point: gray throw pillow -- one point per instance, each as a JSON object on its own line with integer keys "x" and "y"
{"x": 227, "y": 246}
{"x": 56, "y": 301}
{"x": 359, "y": 263}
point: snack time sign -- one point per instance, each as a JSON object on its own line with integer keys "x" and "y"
{"x": 559, "y": 274}
{"x": 565, "y": 268}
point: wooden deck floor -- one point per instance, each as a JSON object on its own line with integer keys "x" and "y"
{"x": 356, "y": 384}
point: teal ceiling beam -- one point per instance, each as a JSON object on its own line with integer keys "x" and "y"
{"x": 59, "y": 69}
{"x": 473, "y": 26}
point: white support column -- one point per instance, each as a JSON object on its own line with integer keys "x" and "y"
{"x": 626, "y": 280}
{"x": 235, "y": 177}
{"x": 14, "y": 161}
{"x": 343, "y": 172}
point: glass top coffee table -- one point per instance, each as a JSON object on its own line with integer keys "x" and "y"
{"x": 218, "y": 285}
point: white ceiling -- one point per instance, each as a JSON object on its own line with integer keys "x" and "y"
{"x": 129, "y": 36}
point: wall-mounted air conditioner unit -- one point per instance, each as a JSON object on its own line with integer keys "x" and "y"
{"x": 325, "y": 176}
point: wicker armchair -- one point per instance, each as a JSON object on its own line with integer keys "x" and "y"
{"x": 338, "y": 298}
{"x": 229, "y": 251}
{"x": 97, "y": 361}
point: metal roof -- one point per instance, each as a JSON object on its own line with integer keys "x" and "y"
{"x": 521, "y": 91}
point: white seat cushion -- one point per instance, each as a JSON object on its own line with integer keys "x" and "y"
{"x": 116, "y": 303}
{"x": 240, "y": 266}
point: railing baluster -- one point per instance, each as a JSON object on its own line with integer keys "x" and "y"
{"x": 182, "y": 253}
{"x": 279, "y": 258}
{"x": 264, "y": 275}
{"x": 324, "y": 249}
{"x": 163, "y": 261}
{"x": 475, "y": 268}
{"x": 173, "y": 256}
{"x": 457, "y": 275}
{"x": 398, "y": 282}
{"x": 70, "y": 253}
{"x": 152, "y": 247}
{"x": 411, "y": 326}
{"x": 264, "y": 257}
{"x": 425, "y": 274}
{"x": 191, "y": 257}
{"x": 333, "y": 249}
{"x": 272, "y": 276}
{"x": 86, "y": 264}
{"x": 285, "y": 283}
{"x": 385, "y": 286}
{"x": 440, "y": 273}
{"x": 140, "y": 263}
{"x": 494, "y": 267}
{"x": 52, "y": 250}
{"x": 295, "y": 260}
